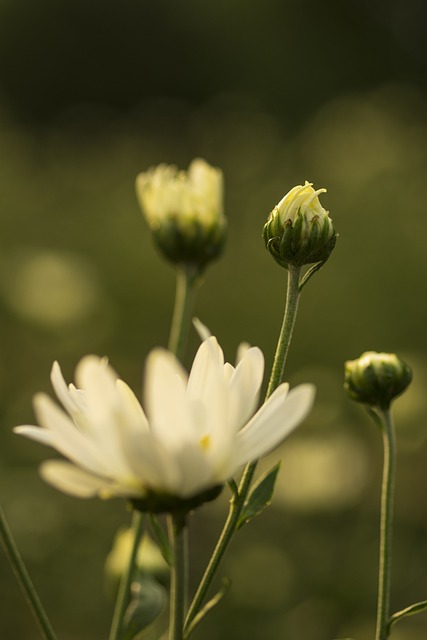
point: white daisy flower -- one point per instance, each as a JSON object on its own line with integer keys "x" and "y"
{"x": 196, "y": 432}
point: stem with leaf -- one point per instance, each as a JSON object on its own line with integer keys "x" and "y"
{"x": 240, "y": 493}
{"x": 24, "y": 580}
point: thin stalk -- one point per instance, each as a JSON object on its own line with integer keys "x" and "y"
{"x": 386, "y": 525}
{"x": 24, "y": 580}
{"x": 291, "y": 307}
{"x": 179, "y": 578}
{"x": 186, "y": 280}
{"x": 122, "y": 599}
{"x": 181, "y": 318}
{"x": 238, "y": 500}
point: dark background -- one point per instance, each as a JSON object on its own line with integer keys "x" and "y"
{"x": 274, "y": 93}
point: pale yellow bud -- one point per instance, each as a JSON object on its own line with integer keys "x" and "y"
{"x": 184, "y": 210}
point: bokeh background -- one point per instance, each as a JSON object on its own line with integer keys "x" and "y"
{"x": 273, "y": 92}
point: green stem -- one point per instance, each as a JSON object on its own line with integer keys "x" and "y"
{"x": 24, "y": 579}
{"x": 179, "y": 579}
{"x": 238, "y": 501}
{"x": 122, "y": 600}
{"x": 181, "y": 319}
{"x": 287, "y": 329}
{"x": 186, "y": 278}
{"x": 386, "y": 525}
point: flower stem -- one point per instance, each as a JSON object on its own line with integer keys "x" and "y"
{"x": 238, "y": 501}
{"x": 386, "y": 525}
{"x": 291, "y": 307}
{"x": 186, "y": 278}
{"x": 122, "y": 600}
{"x": 24, "y": 579}
{"x": 179, "y": 579}
{"x": 181, "y": 318}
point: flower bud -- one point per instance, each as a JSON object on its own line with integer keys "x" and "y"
{"x": 299, "y": 230}
{"x": 376, "y": 378}
{"x": 184, "y": 211}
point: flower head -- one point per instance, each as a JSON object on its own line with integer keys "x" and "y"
{"x": 196, "y": 431}
{"x": 184, "y": 210}
{"x": 376, "y": 378}
{"x": 299, "y": 230}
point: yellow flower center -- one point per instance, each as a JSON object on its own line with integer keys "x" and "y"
{"x": 205, "y": 442}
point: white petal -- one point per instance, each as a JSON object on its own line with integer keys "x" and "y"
{"x": 98, "y": 380}
{"x": 152, "y": 463}
{"x": 44, "y": 436}
{"x": 227, "y": 372}
{"x": 66, "y": 438}
{"x": 242, "y": 349}
{"x": 131, "y": 408}
{"x": 201, "y": 329}
{"x": 67, "y": 398}
{"x": 207, "y": 388}
{"x": 106, "y": 411}
{"x": 168, "y": 409}
{"x": 72, "y": 480}
{"x": 273, "y": 422}
{"x": 207, "y": 364}
{"x": 196, "y": 472}
{"x": 244, "y": 387}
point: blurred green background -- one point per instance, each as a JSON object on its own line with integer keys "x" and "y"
{"x": 273, "y": 92}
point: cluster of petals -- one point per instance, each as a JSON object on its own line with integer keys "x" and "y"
{"x": 301, "y": 199}
{"x": 196, "y": 432}
{"x": 197, "y": 194}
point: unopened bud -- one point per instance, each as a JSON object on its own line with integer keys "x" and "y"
{"x": 299, "y": 230}
{"x": 184, "y": 210}
{"x": 376, "y": 378}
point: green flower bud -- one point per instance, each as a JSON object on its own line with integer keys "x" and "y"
{"x": 376, "y": 378}
{"x": 299, "y": 230}
{"x": 184, "y": 211}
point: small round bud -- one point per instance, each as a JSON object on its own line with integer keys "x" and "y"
{"x": 299, "y": 230}
{"x": 184, "y": 210}
{"x": 376, "y": 378}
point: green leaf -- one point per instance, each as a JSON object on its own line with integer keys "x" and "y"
{"x": 412, "y": 610}
{"x": 233, "y": 487}
{"x": 148, "y": 599}
{"x": 304, "y": 281}
{"x": 207, "y": 608}
{"x": 259, "y": 497}
{"x": 161, "y": 539}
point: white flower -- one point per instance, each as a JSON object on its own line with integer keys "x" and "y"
{"x": 197, "y": 431}
{"x": 304, "y": 200}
